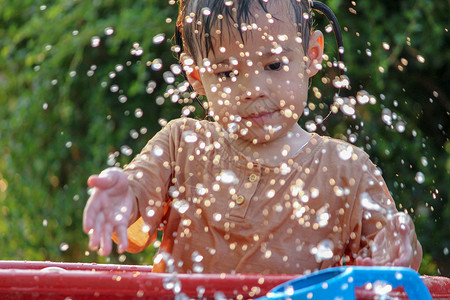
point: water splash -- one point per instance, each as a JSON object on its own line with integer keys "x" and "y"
{"x": 323, "y": 251}
{"x": 368, "y": 204}
{"x": 228, "y": 177}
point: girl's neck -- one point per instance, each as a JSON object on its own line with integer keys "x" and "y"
{"x": 276, "y": 151}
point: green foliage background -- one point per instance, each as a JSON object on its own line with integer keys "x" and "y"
{"x": 63, "y": 113}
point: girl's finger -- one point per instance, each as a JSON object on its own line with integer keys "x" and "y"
{"x": 91, "y": 211}
{"x": 122, "y": 236}
{"x": 95, "y": 232}
{"x": 366, "y": 261}
{"x": 102, "y": 182}
{"x": 106, "y": 239}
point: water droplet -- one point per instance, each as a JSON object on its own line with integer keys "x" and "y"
{"x": 95, "y": 41}
{"x": 156, "y": 64}
{"x": 63, "y": 247}
{"x": 206, "y": 11}
{"x": 189, "y": 136}
{"x": 368, "y": 203}
{"x": 200, "y": 291}
{"x": 363, "y": 97}
{"x": 386, "y": 46}
{"x": 328, "y": 28}
{"x": 322, "y": 217}
{"x": 138, "y": 113}
{"x": 126, "y": 150}
{"x": 228, "y": 177}
{"x": 200, "y": 189}
{"x": 197, "y": 268}
{"x": 420, "y": 177}
{"x": 181, "y": 206}
{"x": 424, "y": 161}
{"x": 114, "y": 88}
{"x": 285, "y": 169}
{"x": 109, "y": 30}
{"x": 157, "y": 151}
{"x": 160, "y": 100}
{"x": 400, "y": 127}
{"x": 170, "y": 283}
{"x": 386, "y": 116}
{"x": 381, "y": 287}
{"x": 196, "y": 257}
{"x": 217, "y": 217}
{"x": 324, "y": 250}
{"x": 311, "y": 126}
{"x": 345, "y": 152}
{"x": 159, "y": 38}
{"x": 368, "y": 52}
{"x": 145, "y": 227}
{"x": 348, "y": 109}
{"x": 176, "y": 69}
{"x": 169, "y": 77}
{"x": 421, "y": 59}
{"x": 271, "y": 193}
{"x": 232, "y": 127}
{"x": 398, "y": 275}
{"x": 137, "y": 50}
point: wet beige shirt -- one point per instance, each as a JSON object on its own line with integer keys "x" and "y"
{"x": 223, "y": 213}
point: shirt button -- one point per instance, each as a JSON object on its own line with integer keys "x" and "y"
{"x": 253, "y": 177}
{"x": 240, "y": 200}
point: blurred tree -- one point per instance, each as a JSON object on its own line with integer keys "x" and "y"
{"x": 84, "y": 85}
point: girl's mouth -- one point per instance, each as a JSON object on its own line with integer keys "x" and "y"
{"x": 259, "y": 119}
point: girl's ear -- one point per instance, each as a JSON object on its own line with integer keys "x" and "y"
{"x": 315, "y": 52}
{"x": 193, "y": 76}
{"x": 195, "y": 81}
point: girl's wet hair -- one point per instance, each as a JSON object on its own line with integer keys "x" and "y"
{"x": 198, "y": 18}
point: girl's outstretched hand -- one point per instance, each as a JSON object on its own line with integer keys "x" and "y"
{"x": 395, "y": 245}
{"x": 109, "y": 209}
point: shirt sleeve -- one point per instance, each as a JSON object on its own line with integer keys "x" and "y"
{"x": 372, "y": 206}
{"x": 149, "y": 175}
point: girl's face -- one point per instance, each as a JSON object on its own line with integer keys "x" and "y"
{"x": 257, "y": 89}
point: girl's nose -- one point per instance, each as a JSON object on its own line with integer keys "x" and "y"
{"x": 252, "y": 88}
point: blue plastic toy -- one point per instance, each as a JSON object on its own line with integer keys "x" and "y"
{"x": 340, "y": 282}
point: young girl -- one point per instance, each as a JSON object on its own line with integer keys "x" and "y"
{"x": 251, "y": 192}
